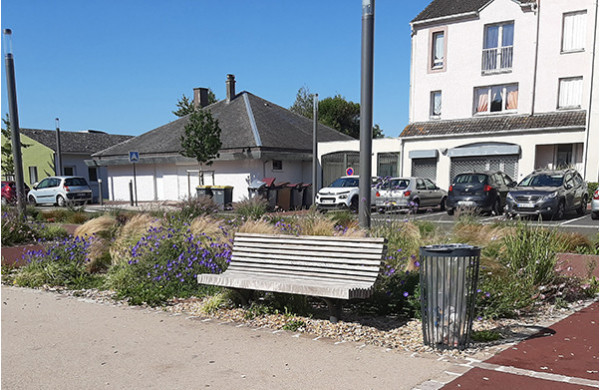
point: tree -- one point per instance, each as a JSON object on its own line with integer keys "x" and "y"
{"x": 304, "y": 104}
{"x": 335, "y": 112}
{"x": 8, "y": 162}
{"x": 202, "y": 137}
{"x": 185, "y": 106}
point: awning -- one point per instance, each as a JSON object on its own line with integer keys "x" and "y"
{"x": 485, "y": 150}
{"x": 432, "y": 153}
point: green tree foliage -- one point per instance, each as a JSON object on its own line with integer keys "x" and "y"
{"x": 8, "y": 163}
{"x": 304, "y": 104}
{"x": 335, "y": 112}
{"x": 202, "y": 137}
{"x": 185, "y": 106}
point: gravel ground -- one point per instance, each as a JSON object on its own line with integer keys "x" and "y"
{"x": 379, "y": 331}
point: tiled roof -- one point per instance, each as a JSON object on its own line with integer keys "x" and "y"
{"x": 88, "y": 142}
{"x": 245, "y": 121}
{"x": 441, "y": 8}
{"x": 553, "y": 120}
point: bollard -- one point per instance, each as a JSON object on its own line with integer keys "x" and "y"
{"x": 130, "y": 193}
{"x": 100, "y": 200}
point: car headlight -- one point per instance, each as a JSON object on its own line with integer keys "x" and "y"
{"x": 551, "y": 196}
{"x": 344, "y": 196}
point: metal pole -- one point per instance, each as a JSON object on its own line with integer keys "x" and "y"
{"x": 315, "y": 188}
{"x": 366, "y": 113}
{"x": 14, "y": 122}
{"x": 100, "y": 200}
{"x": 135, "y": 185}
{"x": 130, "y": 193}
{"x": 58, "y": 169}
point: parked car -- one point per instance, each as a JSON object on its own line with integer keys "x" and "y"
{"x": 484, "y": 191}
{"x": 549, "y": 193}
{"x": 9, "y": 192}
{"x": 343, "y": 193}
{"x": 60, "y": 190}
{"x": 409, "y": 193}
{"x": 595, "y": 205}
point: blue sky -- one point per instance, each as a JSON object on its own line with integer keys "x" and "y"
{"x": 121, "y": 66}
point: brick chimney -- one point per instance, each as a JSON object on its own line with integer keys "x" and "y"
{"x": 200, "y": 97}
{"x": 230, "y": 87}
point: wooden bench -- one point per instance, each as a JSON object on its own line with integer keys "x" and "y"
{"x": 332, "y": 268}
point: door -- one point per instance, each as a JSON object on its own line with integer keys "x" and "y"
{"x": 434, "y": 193}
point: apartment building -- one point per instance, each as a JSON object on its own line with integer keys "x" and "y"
{"x": 505, "y": 85}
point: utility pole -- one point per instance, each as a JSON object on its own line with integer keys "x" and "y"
{"x": 315, "y": 189}
{"x": 9, "y": 63}
{"x": 366, "y": 113}
{"x": 58, "y": 169}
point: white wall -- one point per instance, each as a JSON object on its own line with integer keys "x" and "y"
{"x": 171, "y": 181}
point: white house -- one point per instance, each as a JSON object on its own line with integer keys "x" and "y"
{"x": 503, "y": 85}
{"x": 259, "y": 140}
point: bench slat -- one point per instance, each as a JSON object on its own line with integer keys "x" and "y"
{"x": 318, "y": 261}
{"x": 240, "y": 258}
{"x": 261, "y": 268}
{"x": 312, "y": 253}
{"x": 322, "y": 240}
{"x": 320, "y": 244}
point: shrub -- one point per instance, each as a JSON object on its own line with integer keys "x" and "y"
{"x": 129, "y": 234}
{"x": 403, "y": 242}
{"x": 15, "y": 229}
{"x": 591, "y": 186}
{"x": 62, "y": 264}
{"x": 253, "y": 208}
{"x": 195, "y": 206}
{"x": 316, "y": 224}
{"x": 164, "y": 263}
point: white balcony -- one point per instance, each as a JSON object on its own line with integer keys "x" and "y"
{"x": 497, "y": 59}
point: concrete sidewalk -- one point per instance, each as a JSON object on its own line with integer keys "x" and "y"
{"x": 56, "y": 342}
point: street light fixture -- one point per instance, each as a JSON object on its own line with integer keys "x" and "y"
{"x": 14, "y": 120}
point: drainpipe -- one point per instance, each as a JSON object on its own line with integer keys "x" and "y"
{"x": 589, "y": 113}
{"x": 537, "y": 49}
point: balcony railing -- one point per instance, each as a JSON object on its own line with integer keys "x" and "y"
{"x": 497, "y": 59}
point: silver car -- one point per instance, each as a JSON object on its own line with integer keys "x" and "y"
{"x": 60, "y": 190}
{"x": 409, "y": 193}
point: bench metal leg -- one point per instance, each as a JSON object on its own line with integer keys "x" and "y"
{"x": 244, "y": 295}
{"x": 335, "y": 309}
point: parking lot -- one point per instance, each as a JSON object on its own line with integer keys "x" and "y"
{"x": 572, "y": 222}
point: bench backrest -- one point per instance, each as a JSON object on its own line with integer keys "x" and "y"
{"x": 333, "y": 258}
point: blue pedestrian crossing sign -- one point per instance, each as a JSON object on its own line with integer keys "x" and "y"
{"x": 134, "y": 157}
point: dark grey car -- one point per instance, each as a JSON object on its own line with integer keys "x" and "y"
{"x": 483, "y": 191}
{"x": 549, "y": 193}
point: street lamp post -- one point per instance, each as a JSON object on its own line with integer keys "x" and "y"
{"x": 58, "y": 169}
{"x": 366, "y": 114}
{"x": 14, "y": 120}
{"x": 315, "y": 189}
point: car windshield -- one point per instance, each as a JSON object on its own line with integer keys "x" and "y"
{"x": 76, "y": 182}
{"x": 542, "y": 180}
{"x": 471, "y": 179}
{"x": 345, "y": 182}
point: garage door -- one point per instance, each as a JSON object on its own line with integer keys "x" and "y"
{"x": 424, "y": 167}
{"x": 507, "y": 164}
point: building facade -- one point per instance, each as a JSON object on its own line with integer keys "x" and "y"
{"x": 503, "y": 85}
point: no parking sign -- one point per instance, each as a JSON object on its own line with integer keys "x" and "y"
{"x": 349, "y": 171}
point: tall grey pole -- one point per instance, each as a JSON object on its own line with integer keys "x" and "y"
{"x": 315, "y": 188}
{"x": 366, "y": 114}
{"x": 14, "y": 121}
{"x": 58, "y": 169}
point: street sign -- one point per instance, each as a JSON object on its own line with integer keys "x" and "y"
{"x": 134, "y": 157}
{"x": 349, "y": 171}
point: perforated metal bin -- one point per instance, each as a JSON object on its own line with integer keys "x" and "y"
{"x": 448, "y": 276}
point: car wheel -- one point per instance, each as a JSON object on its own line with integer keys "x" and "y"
{"x": 31, "y": 200}
{"x": 354, "y": 204}
{"x": 450, "y": 211}
{"x": 416, "y": 205}
{"x": 560, "y": 210}
{"x": 594, "y": 215}
{"x": 443, "y": 204}
{"x": 60, "y": 201}
{"x": 496, "y": 208}
{"x": 583, "y": 206}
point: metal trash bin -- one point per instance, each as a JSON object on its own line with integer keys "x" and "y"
{"x": 222, "y": 196}
{"x": 448, "y": 277}
{"x": 257, "y": 189}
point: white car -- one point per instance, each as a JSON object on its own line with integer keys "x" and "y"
{"x": 343, "y": 194}
{"x": 60, "y": 190}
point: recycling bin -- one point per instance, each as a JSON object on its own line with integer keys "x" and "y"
{"x": 204, "y": 191}
{"x": 222, "y": 196}
{"x": 448, "y": 278}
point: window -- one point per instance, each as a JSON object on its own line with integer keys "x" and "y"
{"x": 387, "y": 164}
{"x": 436, "y": 104}
{"x": 498, "y": 47}
{"x": 69, "y": 171}
{"x": 570, "y": 91}
{"x": 573, "y": 31}
{"x": 437, "y": 50}
{"x": 421, "y": 185}
{"x": 93, "y": 174}
{"x": 277, "y": 165}
{"x": 430, "y": 185}
{"x": 33, "y": 175}
{"x": 498, "y": 98}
